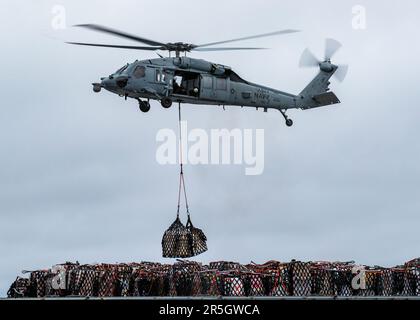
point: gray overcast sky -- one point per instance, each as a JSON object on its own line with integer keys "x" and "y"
{"x": 78, "y": 176}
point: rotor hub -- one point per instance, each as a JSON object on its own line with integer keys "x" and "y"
{"x": 179, "y": 46}
{"x": 326, "y": 66}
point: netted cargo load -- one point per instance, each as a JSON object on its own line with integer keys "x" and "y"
{"x": 256, "y": 284}
{"x": 300, "y": 274}
{"x": 415, "y": 263}
{"x": 181, "y": 241}
{"x": 177, "y": 241}
{"x": 374, "y": 285}
{"x": 198, "y": 238}
{"x": 412, "y": 275}
{"x": 232, "y": 284}
{"x": 83, "y": 281}
{"x": 58, "y": 282}
{"x": 19, "y": 288}
{"x": 412, "y": 281}
{"x": 220, "y": 278}
{"x": 342, "y": 276}
{"x": 206, "y": 283}
{"x": 387, "y": 282}
{"x": 398, "y": 281}
{"x": 38, "y": 283}
{"x": 183, "y": 277}
{"x": 275, "y": 276}
{"x": 107, "y": 275}
{"x": 322, "y": 279}
{"x": 124, "y": 283}
{"x": 151, "y": 283}
{"x": 151, "y": 279}
{"x": 227, "y": 266}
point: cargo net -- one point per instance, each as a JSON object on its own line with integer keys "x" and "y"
{"x": 181, "y": 241}
{"x": 219, "y": 278}
{"x": 177, "y": 241}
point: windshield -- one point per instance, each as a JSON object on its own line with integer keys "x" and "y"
{"x": 131, "y": 67}
{"x": 121, "y": 69}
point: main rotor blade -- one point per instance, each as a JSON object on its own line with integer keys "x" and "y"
{"x": 227, "y": 49}
{"x": 250, "y": 37}
{"x": 308, "y": 59}
{"x": 114, "y": 46}
{"x": 331, "y": 47}
{"x": 121, "y": 34}
{"x": 341, "y": 72}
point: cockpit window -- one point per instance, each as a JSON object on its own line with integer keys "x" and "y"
{"x": 121, "y": 69}
{"x": 139, "y": 72}
{"x": 160, "y": 76}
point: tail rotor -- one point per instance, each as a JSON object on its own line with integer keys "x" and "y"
{"x": 309, "y": 60}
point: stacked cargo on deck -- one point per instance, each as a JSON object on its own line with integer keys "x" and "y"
{"x": 221, "y": 278}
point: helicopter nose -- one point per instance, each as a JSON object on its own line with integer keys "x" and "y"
{"x": 114, "y": 83}
{"x": 108, "y": 83}
{"x": 121, "y": 81}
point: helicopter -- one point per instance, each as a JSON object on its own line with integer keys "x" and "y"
{"x": 182, "y": 79}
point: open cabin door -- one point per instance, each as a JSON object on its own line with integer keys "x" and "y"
{"x": 186, "y": 83}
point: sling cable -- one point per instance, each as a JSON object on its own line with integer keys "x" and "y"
{"x": 179, "y": 240}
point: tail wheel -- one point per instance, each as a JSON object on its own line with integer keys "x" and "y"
{"x": 166, "y": 102}
{"x": 289, "y": 122}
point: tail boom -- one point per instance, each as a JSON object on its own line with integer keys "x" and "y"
{"x": 316, "y": 94}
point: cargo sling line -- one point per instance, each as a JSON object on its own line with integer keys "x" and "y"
{"x": 179, "y": 240}
{"x": 181, "y": 174}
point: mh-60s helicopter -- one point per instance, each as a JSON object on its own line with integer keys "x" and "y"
{"x": 187, "y": 80}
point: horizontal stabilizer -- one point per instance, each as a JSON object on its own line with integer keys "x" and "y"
{"x": 323, "y": 99}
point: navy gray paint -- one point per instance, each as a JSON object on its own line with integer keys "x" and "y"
{"x": 157, "y": 83}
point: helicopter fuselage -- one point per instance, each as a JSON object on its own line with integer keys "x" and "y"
{"x": 195, "y": 81}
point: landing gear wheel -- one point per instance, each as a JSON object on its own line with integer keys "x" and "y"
{"x": 166, "y": 102}
{"x": 144, "y": 106}
{"x": 289, "y": 122}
